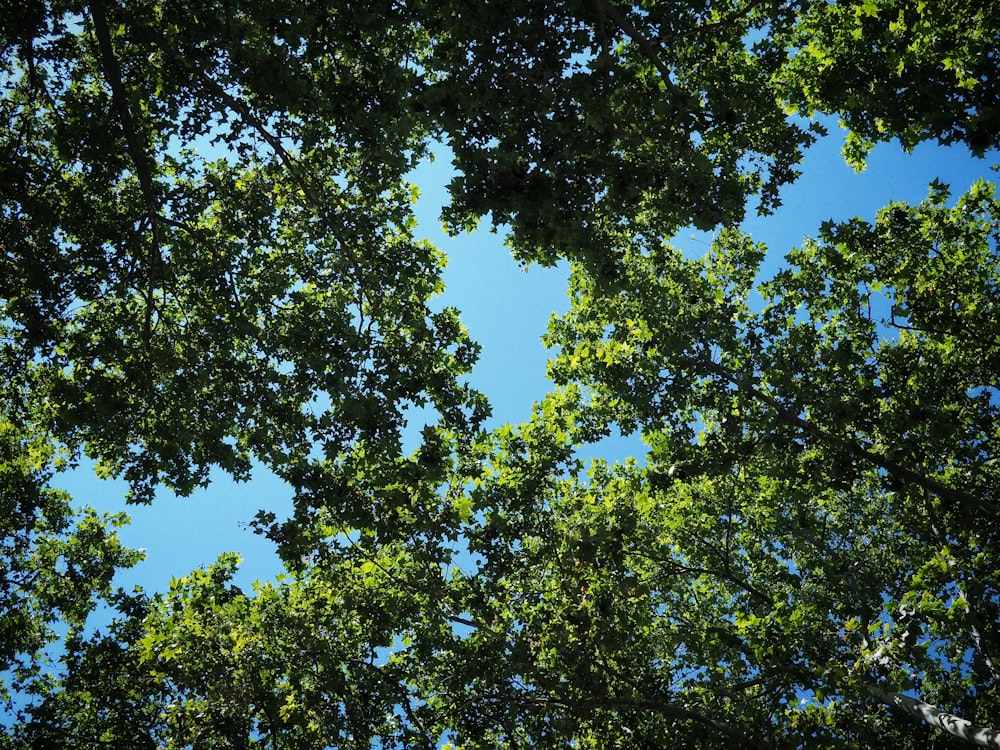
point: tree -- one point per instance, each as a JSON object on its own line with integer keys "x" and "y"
{"x": 856, "y": 409}
{"x": 58, "y": 562}
{"x": 813, "y": 532}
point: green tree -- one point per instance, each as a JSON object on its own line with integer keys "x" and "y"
{"x": 210, "y": 259}
{"x": 855, "y": 411}
{"x": 57, "y": 563}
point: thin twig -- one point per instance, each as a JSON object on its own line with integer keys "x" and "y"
{"x": 664, "y": 709}
{"x": 725, "y": 21}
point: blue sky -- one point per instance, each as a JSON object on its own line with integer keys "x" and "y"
{"x": 506, "y": 310}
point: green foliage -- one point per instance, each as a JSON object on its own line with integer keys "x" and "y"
{"x": 176, "y": 312}
{"x": 57, "y": 563}
{"x": 857, "y": 408}
{"x": 210, "y": 259}
{"x": 907, "y": 70}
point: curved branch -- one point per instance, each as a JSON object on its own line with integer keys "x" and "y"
{"x": 675, "y": 568}
{"x": 241, "y": 108}
{"x": 736, "y": 15}
{"x": 653, "y": 706}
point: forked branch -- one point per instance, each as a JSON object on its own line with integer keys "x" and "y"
{"x": 789, "y": 417}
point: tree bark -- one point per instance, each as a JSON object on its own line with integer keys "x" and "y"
{"x": 961, "y": 728}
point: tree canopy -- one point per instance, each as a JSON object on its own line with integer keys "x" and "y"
{"x": 211, "y": 262}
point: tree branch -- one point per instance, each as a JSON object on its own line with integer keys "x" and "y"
{"x": 241, "y": 108}
{"x": 675, "y": 568}
{"x": 119, "y": 98}
{"x": 971, "y": 617}
{"x": 659, "y": 707}
{"x": 622, "y": 22}
{"x": 955, "y": 725}
{"x": 137, "y": 152}
{"x": 725, "y": 21}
